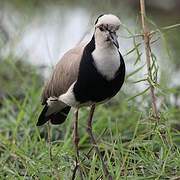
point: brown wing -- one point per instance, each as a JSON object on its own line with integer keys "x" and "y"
{"x": 64, "y": 74}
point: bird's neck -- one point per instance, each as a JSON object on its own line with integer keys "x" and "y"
{"x": 91, "y": 45}
{"x": 105, "y": 58}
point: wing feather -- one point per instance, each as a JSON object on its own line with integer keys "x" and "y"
{"x": 64, "y": 74}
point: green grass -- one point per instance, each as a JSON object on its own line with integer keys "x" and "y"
{"x": 131, "y": 145}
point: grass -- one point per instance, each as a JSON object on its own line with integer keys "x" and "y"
{"x": 132, "y": 145}
{"x": 133, "y": 148}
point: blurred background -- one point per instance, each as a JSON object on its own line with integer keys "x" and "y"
{"x": 38, "y": 33}
{"x": 34, "y": 34}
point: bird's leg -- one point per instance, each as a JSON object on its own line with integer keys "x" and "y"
{"x": 89, "y": 130}
{"x": 76, "y": 141}
{"x": 49, "y": 141}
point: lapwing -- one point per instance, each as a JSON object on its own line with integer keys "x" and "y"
{"x": 86, "y": 75}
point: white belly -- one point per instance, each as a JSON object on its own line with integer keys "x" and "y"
{"x": 107, "y": 61}
{"x": 69, "y": 99}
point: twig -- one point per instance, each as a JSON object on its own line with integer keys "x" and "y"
{"x": 57, "y": 173}
{"x": 50, "y": 151}
{"x": 49, "y": 141}
{"x": 151, "y": 33}
{"x": 131, "y": 36}
{"x": 148, "y": 62}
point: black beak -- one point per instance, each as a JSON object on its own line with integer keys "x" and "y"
{"x": 113, "y": 38}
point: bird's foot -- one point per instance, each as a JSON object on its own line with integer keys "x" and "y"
{"x": 77, "y": 167}
{"x": 109, "y": 177}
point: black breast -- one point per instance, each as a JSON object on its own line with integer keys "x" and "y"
{"x": 91, "y": 85}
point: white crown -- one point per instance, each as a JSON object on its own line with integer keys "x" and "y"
{"x": 109, "y": 19}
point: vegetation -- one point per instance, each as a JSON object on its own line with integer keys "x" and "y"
{"x": 134, "y": 146}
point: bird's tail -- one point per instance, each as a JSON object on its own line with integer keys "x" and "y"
{"x": 55, "y": 118}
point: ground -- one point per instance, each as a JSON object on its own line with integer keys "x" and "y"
{"x": 132, "y": 146}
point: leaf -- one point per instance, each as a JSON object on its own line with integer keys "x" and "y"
{"x": 171, "y": 26}
{"x": 165, "y": 43}
{"x": 134, "y": 72}
{"x": 162, "y": 36}
{"x": 139, "y": 94}
{"x": 137, "y": 51}
{"x": 139, "y": 81}
{"x": 132, "y": 50}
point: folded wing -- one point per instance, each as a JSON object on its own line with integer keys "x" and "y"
{"x": 63, "y": 76}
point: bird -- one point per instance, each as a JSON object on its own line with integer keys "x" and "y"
{"x": 87, "y": 75}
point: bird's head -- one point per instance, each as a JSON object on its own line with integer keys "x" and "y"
{"x": 106, "y": 27}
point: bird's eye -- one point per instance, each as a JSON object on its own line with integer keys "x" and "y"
{"x": 101, "y": 28}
